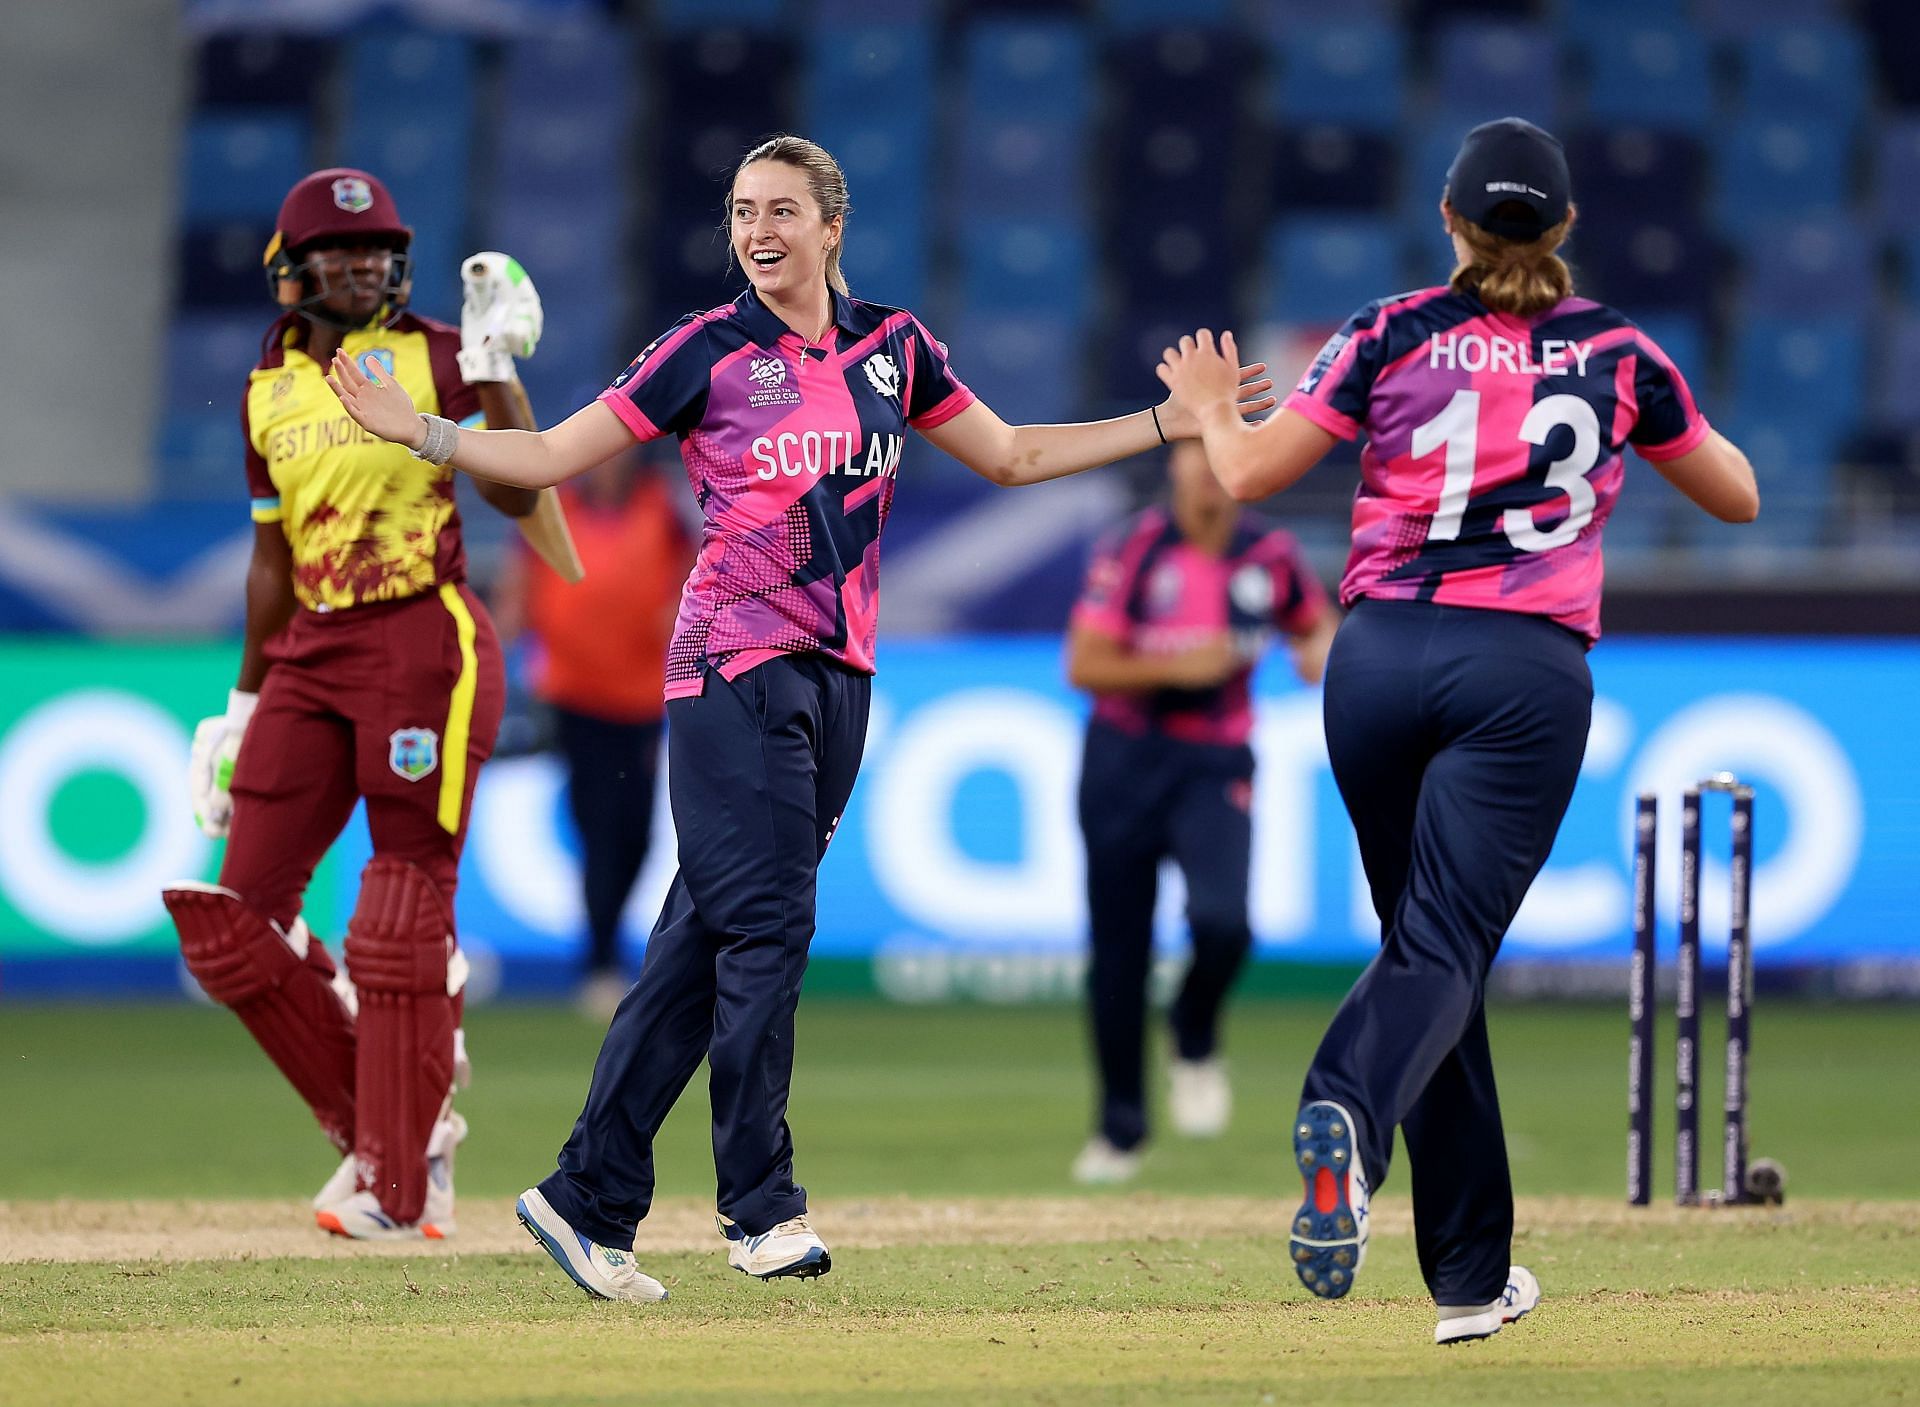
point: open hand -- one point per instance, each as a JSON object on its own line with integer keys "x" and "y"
{"x": 378, "y": 403}
{"x": 1201, "y": 375}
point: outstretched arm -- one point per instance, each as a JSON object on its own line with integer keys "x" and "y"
{"x": 1250, "y": 461}
{"x": 532, "y": 459}
{"x": 1011, "y": 455}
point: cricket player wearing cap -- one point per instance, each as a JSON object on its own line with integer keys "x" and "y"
{"x": 369, "y": 672}
{"x": 1498, "y": 408}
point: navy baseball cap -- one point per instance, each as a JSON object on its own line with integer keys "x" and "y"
{"x": 1512, "y": 163}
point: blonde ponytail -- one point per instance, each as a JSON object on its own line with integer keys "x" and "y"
{"x": 1510, "y": 276}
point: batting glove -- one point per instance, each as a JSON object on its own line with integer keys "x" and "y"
{"x": 216, "y": 747}
{"x": 500, "y": 316}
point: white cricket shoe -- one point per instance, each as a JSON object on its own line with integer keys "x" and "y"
{"x": 1466, "y": 1322}
{"x": 605, "y": 1272}
{"x": 1329, "y": 1234}
{"x": 341, "y": 1209}
{"x": 791, "y": 1248}
{"x": 1100, "y": 1164}
{"x": 1201, "y": 1098}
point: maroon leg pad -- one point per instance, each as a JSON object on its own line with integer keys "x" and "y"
{"x": 288, "y": 1003}
{"x": 399, "y": 941}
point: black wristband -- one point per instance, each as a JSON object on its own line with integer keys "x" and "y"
{"x": 1154, "y": 411}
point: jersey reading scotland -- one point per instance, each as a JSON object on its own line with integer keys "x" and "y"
{"x": 365, "y": 520}
{"x": 1494, "y": 446}
{"x": 792, "y": 450}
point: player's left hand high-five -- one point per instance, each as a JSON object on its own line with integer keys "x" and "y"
{"x": 1199, "y": 374}
{"x": 1193, "y": 382}
{"x": 500, "y": 316}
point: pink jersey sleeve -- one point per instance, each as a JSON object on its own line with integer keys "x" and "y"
{"x": 935, "y": 394}
{"x": 1668, "y": 423}
{"x": 664, "y": 390}
{"x": 1299, "y": 600}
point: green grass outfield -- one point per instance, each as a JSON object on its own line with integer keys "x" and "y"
{"x": 935, "y": 1143}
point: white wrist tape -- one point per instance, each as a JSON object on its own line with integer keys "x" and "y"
{"x": 443, "y": 437}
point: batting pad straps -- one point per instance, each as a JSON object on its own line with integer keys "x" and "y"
{"x": 400, "y": 938}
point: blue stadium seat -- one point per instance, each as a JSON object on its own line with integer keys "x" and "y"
{"x": 1128, "y": 349}
{"x": 886, "y": 264}
{"x": 875, "y": 67}
{"x": 208, "y": 356}
{"x": 1650, "y": 74}
{"x": 423, "y": 157}
{"x": 261, "y": 68}
{"x": 885, "y": 169}
{"x": 1010, "y": 166}
{"x": 1026, "y": 368}
{"x": 1778, "y": 169}
{"x": 1035, "y": 70}
{"x": 1181, "y": 75}
{"x": 1620, "y": 171}
{"x": 580, "y": 67}
{"x": 1584, "y": 22}
{"x": 1136, "y": 15}
{"x": 1279, "y": 21}
{"x": 1811, "y": 370}
{"x": 556, "y": 155}
{"x": 1428, "y": 151}
{"x": 1644, "y": 261}
{"x": 1897, "y": 396}
{"x": 682, "y": 15}
{"x": 1896, "y": 175}
{"x": 1735, "y": 18}
{"x": 1487, "y": 70}
{"x": 241, "y": 166}
{"x": 1347, "y": 71}
{"x": 1907, "y": 257}
{"x": 895, "y": 12}
{"x": 1323, "y": 167}
{"x": 1893, "y": 29}
{"x": 220, "y": 264}
{"x": 1026, "y": 267}
{"x": 1805, "y": 71}
{"x": 401, "y": 72}
{"x": 1173, "y": 262}
{"x": 1824, "y": 263}
{"x": 1323, "y": 268}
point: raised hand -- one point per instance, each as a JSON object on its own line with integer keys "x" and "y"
{"x": 1199, "y": 374}
{"x": 500, "y": 316}
{"x": 378, "y": 403}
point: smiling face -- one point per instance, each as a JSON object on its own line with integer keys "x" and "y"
{"x": 778, "y": 235}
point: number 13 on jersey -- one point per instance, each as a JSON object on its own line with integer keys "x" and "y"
{"x": 1456, "y": 429}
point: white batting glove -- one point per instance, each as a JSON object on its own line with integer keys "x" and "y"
{"x": 216, "y": 746}
{"x": 500, "y": 316}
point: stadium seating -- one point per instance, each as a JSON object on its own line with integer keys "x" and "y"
{"x": 1048, "y": 182}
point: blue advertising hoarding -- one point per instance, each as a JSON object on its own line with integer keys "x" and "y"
{"x": 960, "y": 841}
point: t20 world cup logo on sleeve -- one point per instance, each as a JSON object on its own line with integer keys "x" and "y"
{"x": 413, "y": 752}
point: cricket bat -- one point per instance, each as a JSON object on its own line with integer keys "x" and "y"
{"x": 545, "y": 530}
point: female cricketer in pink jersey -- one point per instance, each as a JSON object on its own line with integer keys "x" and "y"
{"x": 369, "y": 673}
{"x": 791, "y": 405}
{"x": 1180, "y": 602}
{"x": 1497, "y": 410}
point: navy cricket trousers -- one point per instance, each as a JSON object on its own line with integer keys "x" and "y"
{"x": 1142, "y": 799}
{"x": 1456, "y": 735}
{"x": 758, "y": 772}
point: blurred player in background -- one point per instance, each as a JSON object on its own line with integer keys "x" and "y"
{"x": 599, "y": 654}
{"x": 1497, "y": 410}
{"x": 369, "y": 672}
{"x": 791, "y": 405}
{"x": 1180, "y": 602}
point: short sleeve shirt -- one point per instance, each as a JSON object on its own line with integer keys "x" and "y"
{"x": 792, "y": 449}
{"x": 1494, "y": 447}
{"x": 364, "y": 519}
{"x": 1156, "y": 593}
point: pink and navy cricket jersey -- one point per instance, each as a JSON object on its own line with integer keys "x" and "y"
{"x": 1158, "y": 594}
{"x": 792, "y": 450}
{"x": 1494, "y": 446}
